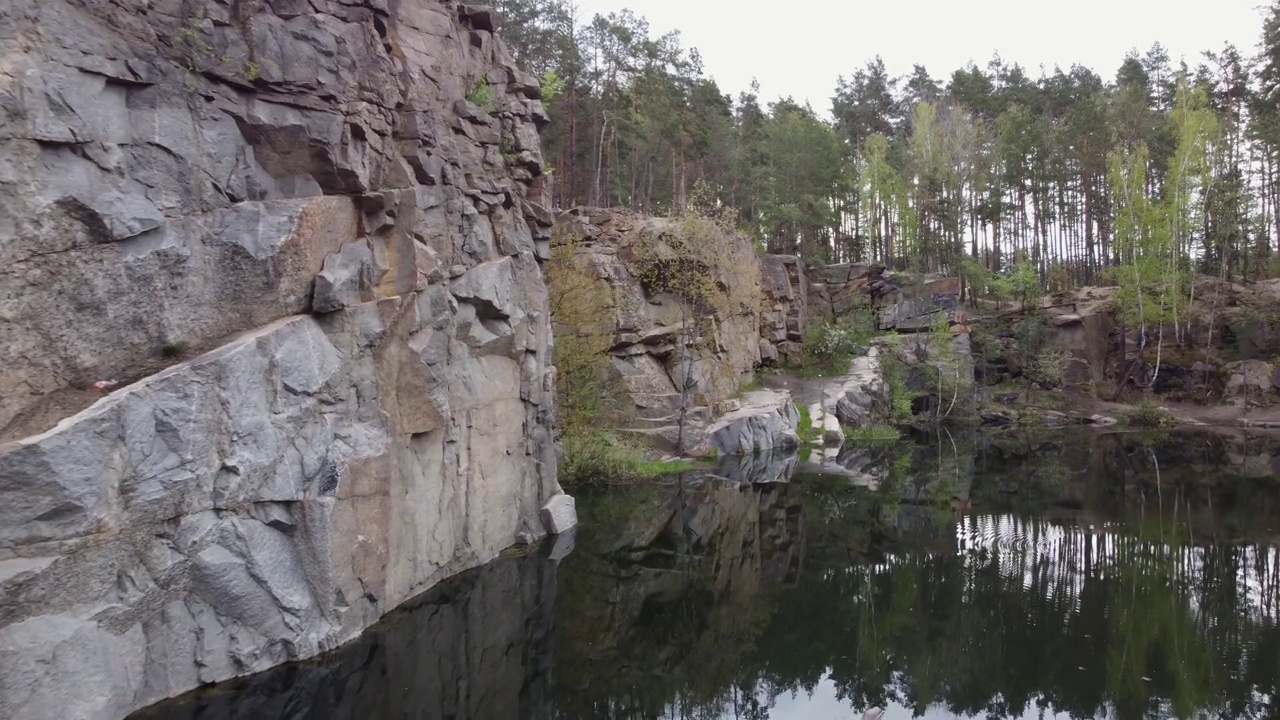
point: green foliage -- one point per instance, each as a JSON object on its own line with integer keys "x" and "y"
{"x": 805, "y": 429}
{"x": 175, "y": 349}
{"x": 661, "y": 468}
{"x": 828, "y": 348}
{"x": 595, "y": 457}
{"x": 894, "y": 373}
{"x": 550, "y": 85}
{"x": 481, "y": 95}
{"x": 1051, "y": 366}
{"x": 1021, "y": 283}
{"x": 980, "y": 279}
{"x": 916, "y": 173}
{"x": 1146, "y": 414}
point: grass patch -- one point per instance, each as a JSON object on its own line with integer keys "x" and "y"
{"x": 1147, "y": 415}
{"x": 805, "y": 429}
{"x": 603, "y": 459}
{"x": 175, "y": 349}
{"x": 871, "y": 433}
{"x": 599, "y": 458}
{"x": 753, "y": 384}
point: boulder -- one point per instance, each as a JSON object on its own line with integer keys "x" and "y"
{"x": 860, "y": 397}
{"x": 766, "y": 420}
{"x": 559, "y": 514}
{"x": 1251, "y": 380}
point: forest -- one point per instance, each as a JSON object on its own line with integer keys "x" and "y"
{"x": 1143, "y": 179}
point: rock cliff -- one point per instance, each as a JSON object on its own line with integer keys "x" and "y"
{"x": 478, "y": 646}
{"x": 680, "y": 300}
{"x": 299, "y": 244}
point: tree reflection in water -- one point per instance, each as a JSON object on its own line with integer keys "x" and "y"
{"x": 1080, "y": 577}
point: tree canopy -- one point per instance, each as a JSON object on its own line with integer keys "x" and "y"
{"x": 1160, "y": 169}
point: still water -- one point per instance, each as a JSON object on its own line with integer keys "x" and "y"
{"x": 1111, "y": 576}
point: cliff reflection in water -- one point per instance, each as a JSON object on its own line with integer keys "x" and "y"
{"x": 476, "y": 647}
{"x": 1080, "y": 577}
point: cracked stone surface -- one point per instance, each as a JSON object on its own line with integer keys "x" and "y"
{"x": 765, "y": 420}
{"x": 475, "y": 647}
{"x": 318, "y": 212}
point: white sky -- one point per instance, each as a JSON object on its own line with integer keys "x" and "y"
{"x": 799, "y": 48}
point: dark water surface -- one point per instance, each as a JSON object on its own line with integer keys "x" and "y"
{"x": 1113, "y": 576}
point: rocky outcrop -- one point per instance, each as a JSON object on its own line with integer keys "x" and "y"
{"x": 1252, "y": 383}
{"x": 763, "y": 420}
{"x": 662, "y": 339}
{"x": 935, "y": 299}
{"x": 936, "y": 371}
{"x": 836, "y": 290}
{"x": 475, "y": 647}
{"x": 860, "y": 398}
{"x": 784, "y": 285}
{"x": 338, "y": 205}
{"x": 857, "y": 399}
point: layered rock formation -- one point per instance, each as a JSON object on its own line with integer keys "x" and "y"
{"x": 784, "y": 307}
{"x": 836, "y": 290}
{"x": 664, "y": 340}
{"x": 338, "y": 204}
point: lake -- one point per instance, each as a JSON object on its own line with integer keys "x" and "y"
{"x": 1011, "y": 576}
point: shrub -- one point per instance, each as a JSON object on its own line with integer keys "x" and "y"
{"x": 1146, "y": 414}
{"x": 598, "y": 458}
{"x": 175, "y": 349}
{"x": 895, "y": 379}
{"x": 828, "y": 349}
{"x": 1020, "y": 282}
{"x": 481, "y": 95}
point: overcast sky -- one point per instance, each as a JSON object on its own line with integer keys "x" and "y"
{"x": 799, "y": 48}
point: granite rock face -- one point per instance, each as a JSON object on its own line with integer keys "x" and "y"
{"x": 784, "y": 307}
{"x": 765, "y": 420}
{"x": 860, "y": 397}
{"x": 478, "y": 646}
{"x": 300, "y": 201}
{"x": 660, "y": 342}
{"x": 834, "y": 291}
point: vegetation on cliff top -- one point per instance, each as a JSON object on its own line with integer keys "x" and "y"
{"x": 1020, "y": 185}
{"x": 1157, "y": 168}
{"x": 697, "y": 261}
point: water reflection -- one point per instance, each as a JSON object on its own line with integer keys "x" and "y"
{"x": 476, "y": 647}
{"x": 990, "y": 576}
{"x": 1082, "y": 577}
